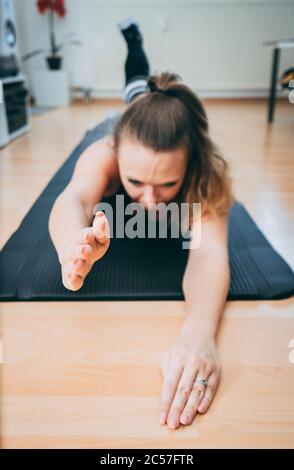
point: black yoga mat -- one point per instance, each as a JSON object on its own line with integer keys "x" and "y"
{"x": 139, "y": 268}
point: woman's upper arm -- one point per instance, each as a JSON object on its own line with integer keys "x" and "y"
{"x": 91, "y": 175}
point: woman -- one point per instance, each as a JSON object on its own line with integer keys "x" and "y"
{"x": 159, "y": 151}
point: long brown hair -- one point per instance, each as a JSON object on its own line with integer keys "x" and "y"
{"x": 171, "y": 115}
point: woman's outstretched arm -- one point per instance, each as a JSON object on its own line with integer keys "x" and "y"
{"x": 207, "y": 278}
{"x": 205, "y": 285}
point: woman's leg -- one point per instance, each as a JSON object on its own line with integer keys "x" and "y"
{"x": 137, "y": 65}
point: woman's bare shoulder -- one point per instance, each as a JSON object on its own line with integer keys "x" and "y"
{"x": 100, "y": 157}
{"x": 102, "y": 147}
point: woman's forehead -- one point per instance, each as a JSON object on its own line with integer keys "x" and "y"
{"x": 144, "y": 165}
{"x": 131, "y": 148}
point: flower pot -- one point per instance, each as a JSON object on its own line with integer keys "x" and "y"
{"x": 50, "y": 87}
{"x": 54, "y": 62}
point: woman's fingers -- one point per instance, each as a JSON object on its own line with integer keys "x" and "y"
{"x": 78, "y": 266}
{"x": 85, "y": 236}
{"x": 195, "y": 397}
{"x": 76, "y": 281}
{"x": 71, "y": 281}
{"x": 74, "y": 273}
{"x": 76, "y": 251}
{"x": 170, "y": 384}
{"x": 78, "y": 260}
{"x": 101, "y": 227}
{"x": 209, "y": 394}
{"x": 190, "y": 358}
{"x": 89, "y": 245}
{"x": 101, "y": 232}
{"x": 182, "y": 394}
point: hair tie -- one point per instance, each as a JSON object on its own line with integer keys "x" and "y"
{"x": 153, "y": 87}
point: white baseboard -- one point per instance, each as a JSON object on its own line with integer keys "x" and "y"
{"x": 253, "y": 93}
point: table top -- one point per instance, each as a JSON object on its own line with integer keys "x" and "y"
{"x": 281, "y": 43}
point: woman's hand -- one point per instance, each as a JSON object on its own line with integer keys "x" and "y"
{"x": 89, "y": 245}
{"x": 191, "y": 356}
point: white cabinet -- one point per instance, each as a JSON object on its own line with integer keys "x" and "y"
{"x": 15, "y": 114}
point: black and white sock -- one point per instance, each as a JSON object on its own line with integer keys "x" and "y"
{"x": 136, "y": 65}
{"x": 134, "y": 87}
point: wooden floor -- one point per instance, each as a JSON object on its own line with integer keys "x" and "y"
{"x": 86, "y": 374}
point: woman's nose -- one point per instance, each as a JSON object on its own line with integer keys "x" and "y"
{"x": 149, "y": 196}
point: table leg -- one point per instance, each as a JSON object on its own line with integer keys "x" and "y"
{"x": 272, "y": 97}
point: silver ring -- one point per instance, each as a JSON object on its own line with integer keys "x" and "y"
{"x": 201, "y": 381}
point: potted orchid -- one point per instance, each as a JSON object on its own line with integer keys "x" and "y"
{"x": 52, "y": 8}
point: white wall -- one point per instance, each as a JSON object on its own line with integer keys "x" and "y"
{"x": 215, "y": 45}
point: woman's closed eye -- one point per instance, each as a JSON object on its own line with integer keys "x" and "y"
{"x": 135, "y": 182}
{"x": 170, "y": 184}
{"x": 165, "y": 185}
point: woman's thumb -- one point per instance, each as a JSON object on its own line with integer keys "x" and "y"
{"x": 101, "y": 227}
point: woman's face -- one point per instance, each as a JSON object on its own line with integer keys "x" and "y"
{"x": 149, "y": 176}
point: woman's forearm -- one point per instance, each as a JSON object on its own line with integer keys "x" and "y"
{"x": 67, "y": 217}
{"x": 205, "y": 285}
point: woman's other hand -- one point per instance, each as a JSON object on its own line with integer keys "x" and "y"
{"x": 191, "y": 356}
